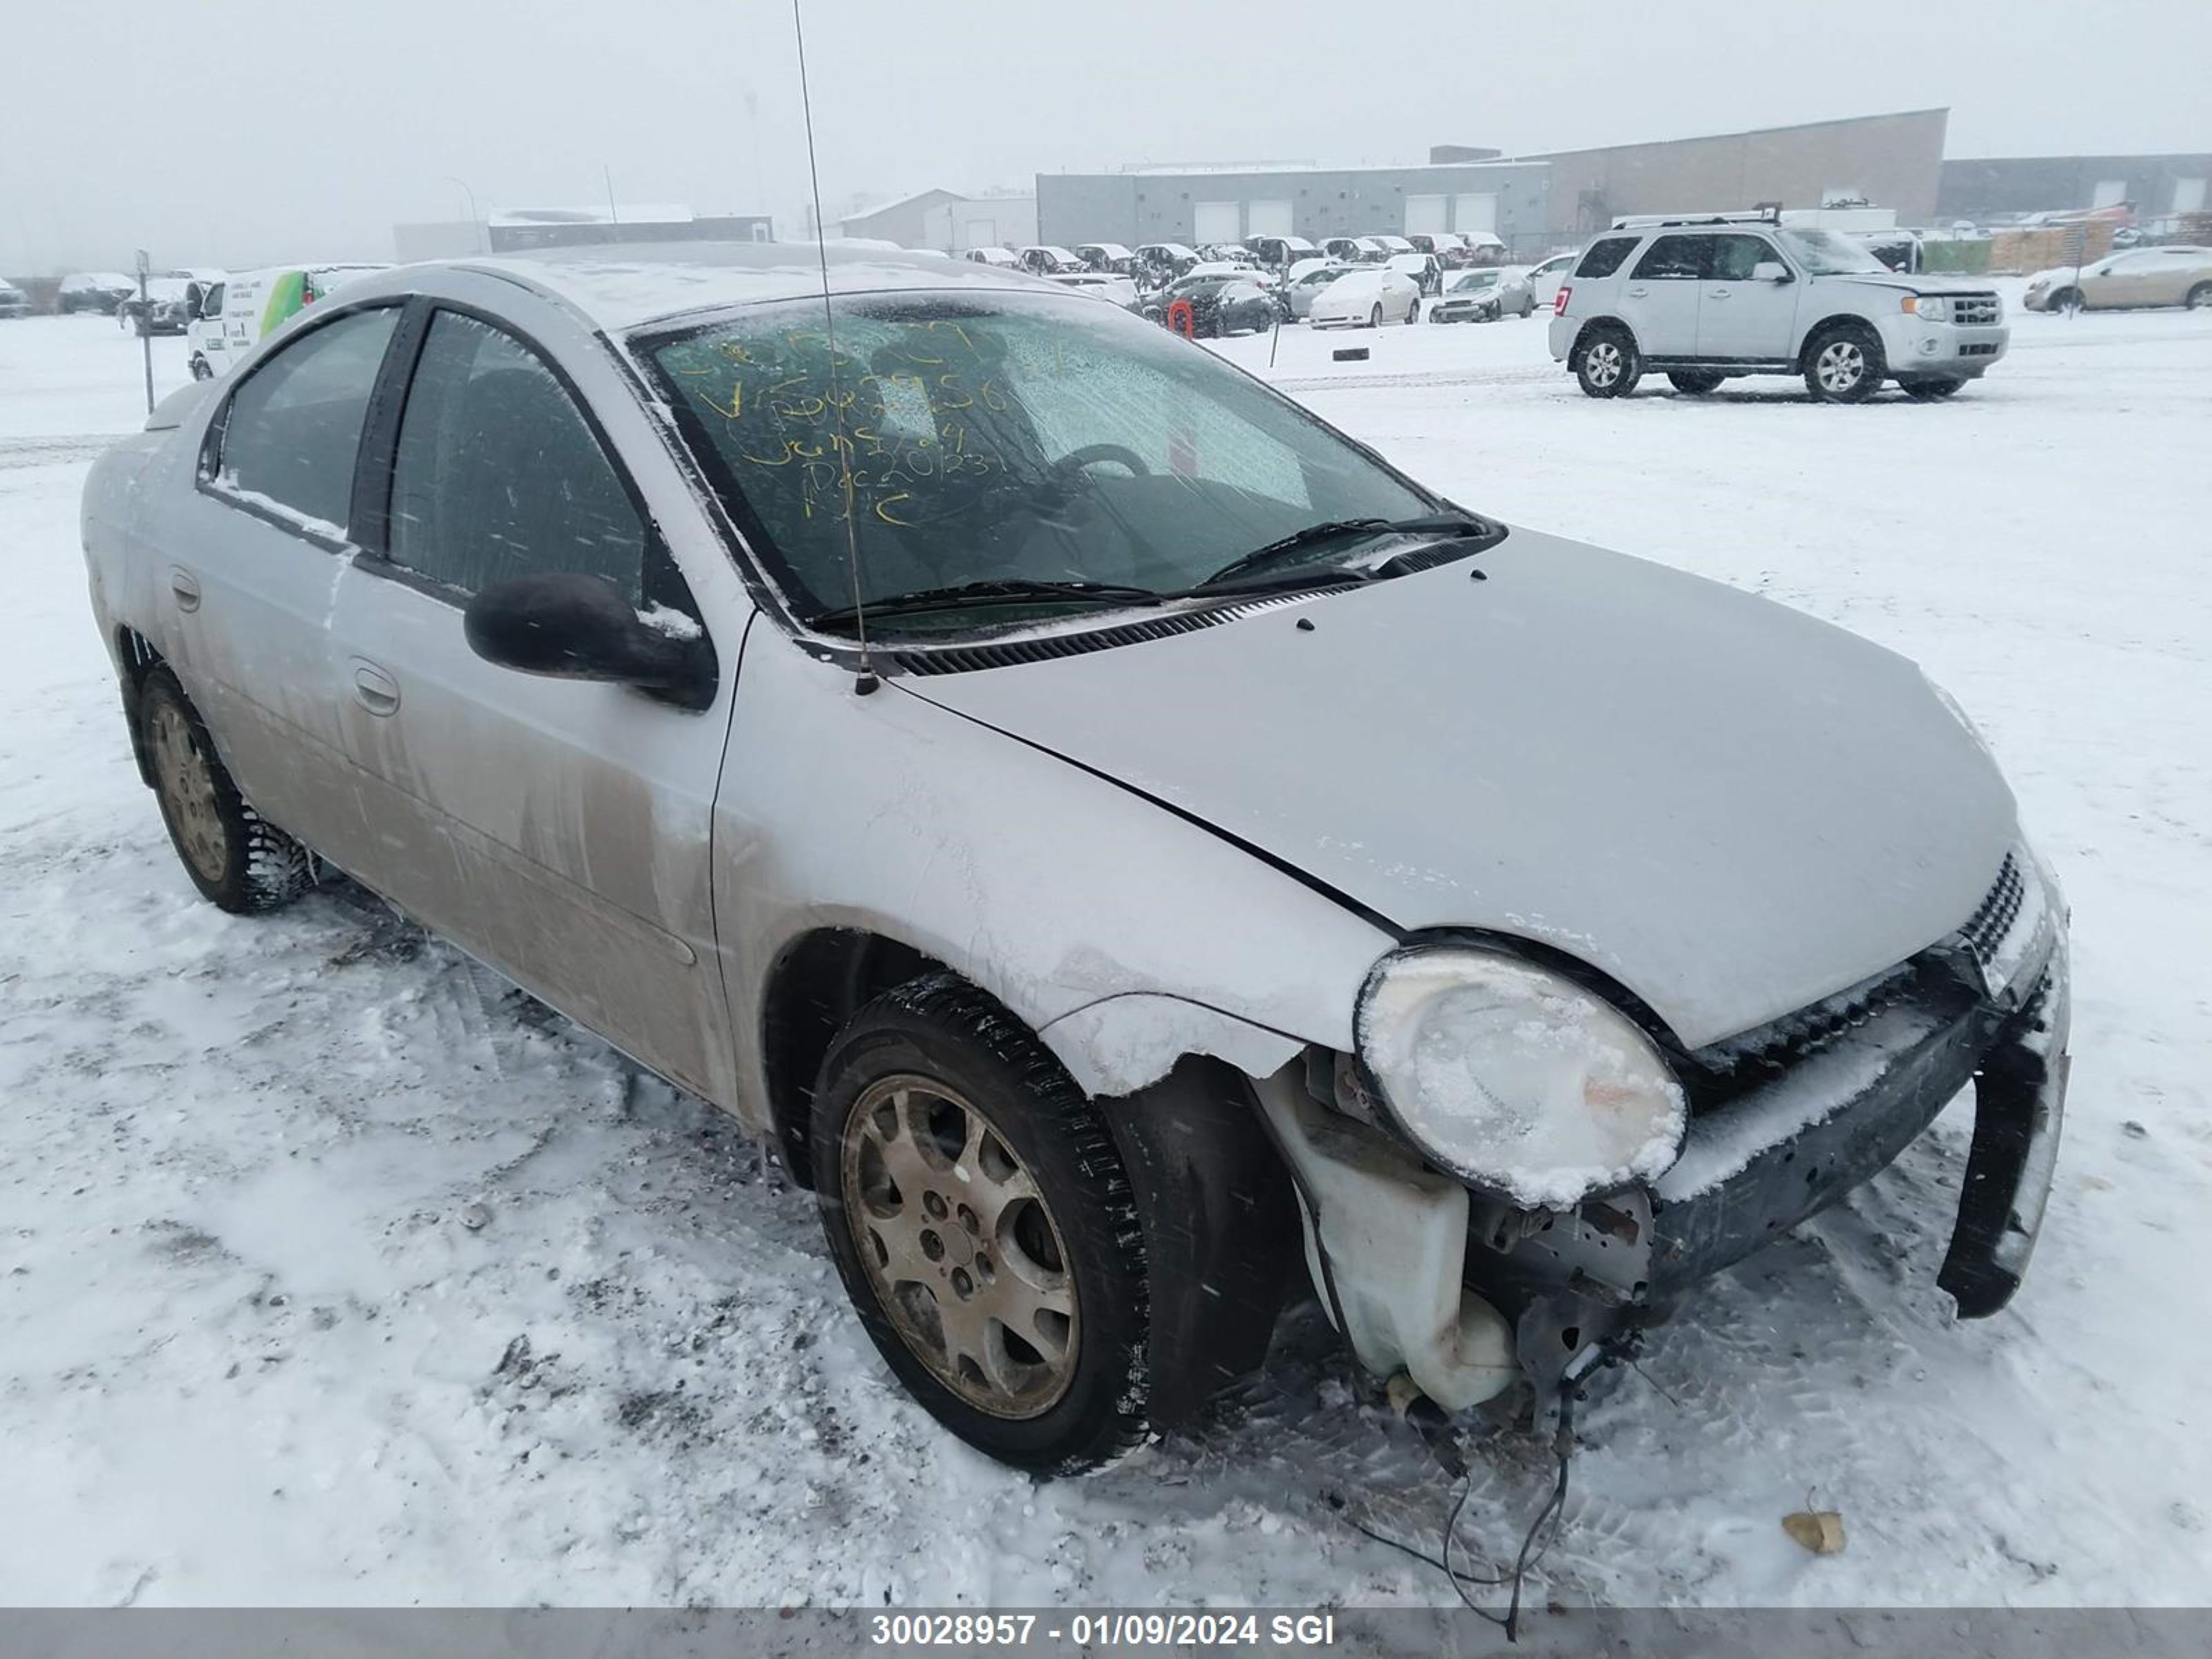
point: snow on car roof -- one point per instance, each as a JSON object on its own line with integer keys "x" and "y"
{"x": 624, "y": 287}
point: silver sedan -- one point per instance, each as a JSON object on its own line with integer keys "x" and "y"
{"x": 1084, "y": 813}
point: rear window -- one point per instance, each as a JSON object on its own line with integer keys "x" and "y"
{"x": 1605, "y": 257}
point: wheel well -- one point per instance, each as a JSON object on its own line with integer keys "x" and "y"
{"x": 818, "y": 982}
{"x": 139, "y": 659}
{"x": 1596, "y": 324}
{"x": 1842, "y": 319}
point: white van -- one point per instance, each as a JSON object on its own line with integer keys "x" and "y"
{"x": 232, "y": 315}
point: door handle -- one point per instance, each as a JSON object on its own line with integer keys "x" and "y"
{"x": 1716, "y": 294}
{"x": 373, "y": 689}
{"x": 186, "y": 586}
{"x": 1638, "y": 293}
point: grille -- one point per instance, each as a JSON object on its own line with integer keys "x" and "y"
{"x": 1739, "y": 1062}
{"x": 1984, "y": 350}
{"x": 1988, "y": 926}
{"x": 1976, "y": 310}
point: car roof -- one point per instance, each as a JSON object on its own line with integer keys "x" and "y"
{"x": 622, "y": 287}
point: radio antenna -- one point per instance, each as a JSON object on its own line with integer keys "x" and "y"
{"x": 867, "y": 681}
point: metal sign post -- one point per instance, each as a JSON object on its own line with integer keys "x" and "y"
{"x": 2077, "y": 247}
{"x": 146, "y": 325}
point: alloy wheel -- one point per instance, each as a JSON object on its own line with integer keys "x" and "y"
{"x": 1840, "y": 366}
{"x": 1602, "y": 363}
{"x": 960, "y": 1247}
{"x": 188, "y": 786}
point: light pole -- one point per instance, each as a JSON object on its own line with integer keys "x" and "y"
{"x": 476, "y": 219}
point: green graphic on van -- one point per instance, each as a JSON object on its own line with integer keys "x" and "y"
{"x": 287, "y": 293}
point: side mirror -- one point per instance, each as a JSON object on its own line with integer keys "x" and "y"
{"x": 575, "y": 627}
{"x": 1769, "y": 270}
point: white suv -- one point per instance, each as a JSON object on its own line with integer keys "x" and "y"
{"x": 1705, "y": 299}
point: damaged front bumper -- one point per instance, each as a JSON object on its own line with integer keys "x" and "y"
{"x": 1786, "y": 1149}
{"x": 1463, "y": 1292}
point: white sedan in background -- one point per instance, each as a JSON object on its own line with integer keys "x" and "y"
{"x": 1100, "y": 285}
{"x": 1543, "y": 280}
{"x": 1367, "y": 298}
{"x": 1306, "y": 281}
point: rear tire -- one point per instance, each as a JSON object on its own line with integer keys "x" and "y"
{"x": 239, "y": 861}
{"x": 1692, "y": 383}
{"x": 1607, "y": 363}
{"x": 961, "y": 1172}
{"x": 1844, "y": 363}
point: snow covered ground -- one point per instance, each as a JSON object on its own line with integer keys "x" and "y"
{"x": 333, "y": 1271}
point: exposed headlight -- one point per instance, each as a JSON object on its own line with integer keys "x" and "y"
{"x": 1515, "y": 1079}
{"x": 1929, "y": 307}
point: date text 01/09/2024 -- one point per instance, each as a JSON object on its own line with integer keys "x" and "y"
{"x": 1103, "y": 1630}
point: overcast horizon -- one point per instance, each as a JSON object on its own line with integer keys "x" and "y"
{"x": 264, "y": 140}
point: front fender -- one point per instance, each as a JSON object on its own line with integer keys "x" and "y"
{"x": 1125, "y": 934}
{"x": 1128, "y": 1042}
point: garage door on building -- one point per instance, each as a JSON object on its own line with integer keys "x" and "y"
{"x": 1216, "y": 221}
{"x": 1424, "y": 215}
{"x": 1475, "y": 212}
{"x": 1269, "y": 218}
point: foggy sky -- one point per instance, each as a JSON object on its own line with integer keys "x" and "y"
{"x": 237, "y": 132}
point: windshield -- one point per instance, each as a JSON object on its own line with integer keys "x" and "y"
{"x": 1824, "y": 253}
{"x": 999, "y": 437}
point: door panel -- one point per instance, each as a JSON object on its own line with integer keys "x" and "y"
{"x": 557, "y": 829}
{"x": 259, "y": 546}
{"x": 1738, "y": 317}
{"x": 1659, "y": 297}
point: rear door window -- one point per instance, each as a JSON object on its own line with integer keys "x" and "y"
{"x": 291, "y": 433}
{"x": 1676, "y": 259}
{"x": 1605, "y": 256}
{"x": 498, "y": 475}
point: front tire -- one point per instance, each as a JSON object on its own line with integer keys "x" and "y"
{"x": 985, "y": 1229}
{"x": 1375, "y": 317}
{"x": 2199, "y": 297}
{"x": 239, "y": 861}
{"x": 1607, "y": 363}
{"x": 200, "y": 369}
{"x": 1844, "y": 364}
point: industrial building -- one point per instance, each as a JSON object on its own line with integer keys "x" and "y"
{"x": 1891, "y": 161}
{"x": 522, "y": 229}
{"x": 1199, "y": 205}
{"x": 1534, "y": 203}
{"x": 2155, "y": 187}
{"x": 946, "y": 221}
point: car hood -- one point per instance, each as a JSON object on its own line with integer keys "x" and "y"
{"x": 1905, "y": 282}
{"x": 1732, "y": 809}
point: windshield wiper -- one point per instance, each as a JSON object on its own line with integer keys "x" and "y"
{"x": 1278, "y": 552}
{"x": 993, "y": 590}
